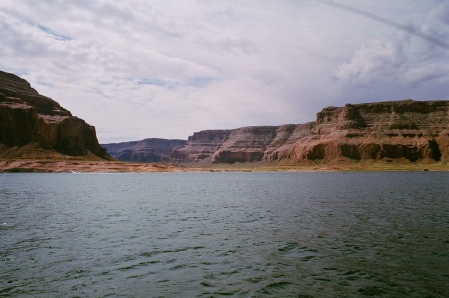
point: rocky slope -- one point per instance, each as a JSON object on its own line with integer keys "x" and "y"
{"x": 147, "y": 150}
{"x": 35, "y": 126}
{"x": 408, "y": 130}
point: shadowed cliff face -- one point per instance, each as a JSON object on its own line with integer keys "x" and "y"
{"x": 147, "y": 150}
{"x": 410, "y": 130}
{"x": 26, "y": 117}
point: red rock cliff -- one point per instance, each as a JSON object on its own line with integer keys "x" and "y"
{"x": 412, "y": 130}
{"x": 26, "y": 117}
{"x": 254, "y": 143}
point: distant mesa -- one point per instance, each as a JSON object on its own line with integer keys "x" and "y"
{"x": 147, "y": 150}
{"x": 33, "y": 126}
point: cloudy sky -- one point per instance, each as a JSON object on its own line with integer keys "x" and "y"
{"x": 167, "y": 68}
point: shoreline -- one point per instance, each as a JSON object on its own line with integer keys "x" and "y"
{"x": 86, "y": 166}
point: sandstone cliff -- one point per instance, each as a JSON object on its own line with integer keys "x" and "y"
{"x": 147, "y": 150}
{"x": 409, "y": 130}
{"x": 254, "y": 143}
{"x": 412, "y": 130}
{"x": 35, "y": 126}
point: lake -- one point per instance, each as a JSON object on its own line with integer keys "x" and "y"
{"x": 280, "y": 234}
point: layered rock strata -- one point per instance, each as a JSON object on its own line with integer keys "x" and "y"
{"x": 34, "y": 121}
{"x": 409, "y": 130}
{"x": 146, "y": 151}
{"x": 254, "y": 143}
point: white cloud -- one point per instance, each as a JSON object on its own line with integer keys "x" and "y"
{"x": 137, "y": 69}
{"x": 372, "y": 64}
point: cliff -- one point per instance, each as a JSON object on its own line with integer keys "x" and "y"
{"x": 35, "y": 126}
{"x": 411, "y": 130}
{"x": 408, "y": 130}
{"x": 147, "y": 150}
{"x": 254, "y": 143}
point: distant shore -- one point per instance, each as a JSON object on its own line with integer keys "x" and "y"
{"x": 82, "y": 166}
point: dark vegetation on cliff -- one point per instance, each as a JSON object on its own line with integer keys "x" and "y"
{"x": 35, "y": 126}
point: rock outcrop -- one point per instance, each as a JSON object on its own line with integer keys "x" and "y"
{"x": 147, "y": 150}
{"x": 411, "y": 130}
{"x": 254, "y": 143}
{"x": 34, "y": 125}
{"x": 408, "y": 130}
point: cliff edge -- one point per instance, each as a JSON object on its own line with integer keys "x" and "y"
{"x": 36, "y": 126}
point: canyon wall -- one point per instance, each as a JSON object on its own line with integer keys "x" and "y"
{"x": 407, "y": 129}
{"x": 147, "y": 150}
{"x": 39, "y": 124}
{"x": 412, "y": 130}
{"x": 35, "y": 126}
{"x": 254, "y": 143}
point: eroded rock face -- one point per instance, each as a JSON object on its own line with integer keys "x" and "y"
{"x": 147, "y": 150}
{"x": 28, "y": 117}
{"x": 201, "y": 146}
{"x": 254, "y": 143}
{"x": 411, "y": 130}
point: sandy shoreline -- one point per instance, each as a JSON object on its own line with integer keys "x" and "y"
{"x": 68, "y": 166}
{"x": 82, "y": 166}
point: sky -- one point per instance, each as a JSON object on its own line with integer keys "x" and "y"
{"x": 140, "y": 69}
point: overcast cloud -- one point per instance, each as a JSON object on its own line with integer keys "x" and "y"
{"x": 167, "y": 68}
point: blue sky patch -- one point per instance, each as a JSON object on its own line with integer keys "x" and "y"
{"x": 49, "y": 31}
{"x": 199, "y": 81}
{"x": 154, "y": 82}
{"x": 46, "y": 84}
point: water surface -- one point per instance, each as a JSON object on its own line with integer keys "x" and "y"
{"x": 224, "y": 234}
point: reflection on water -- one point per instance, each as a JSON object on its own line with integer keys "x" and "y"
{"x": 217, "y": 234}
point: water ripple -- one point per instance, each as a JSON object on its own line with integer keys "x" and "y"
{"x": 224, "y": 234}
